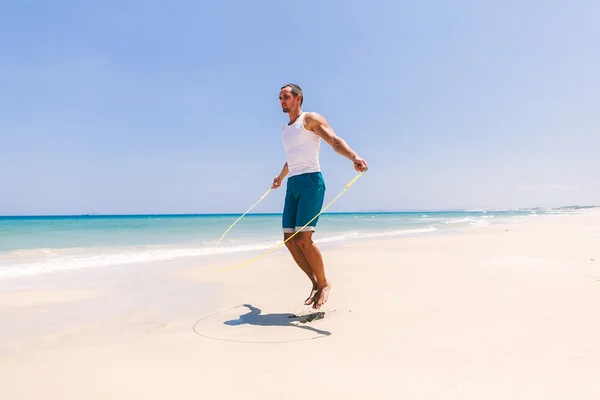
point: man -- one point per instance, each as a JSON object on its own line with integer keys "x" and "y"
{"x": 305, "y": 191}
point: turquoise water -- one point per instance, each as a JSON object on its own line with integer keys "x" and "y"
{"x": 34, "y": 245}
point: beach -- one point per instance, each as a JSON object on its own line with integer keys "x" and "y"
{"x": 506, "y": 310}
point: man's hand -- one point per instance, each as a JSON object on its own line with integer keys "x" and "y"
{"x": 360, "y": 165}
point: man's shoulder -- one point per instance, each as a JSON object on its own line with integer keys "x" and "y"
{"x": 311, "y": 118}
{"x": 312, "y": 115}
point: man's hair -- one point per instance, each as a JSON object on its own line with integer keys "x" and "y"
{"x": 296, "y": 91}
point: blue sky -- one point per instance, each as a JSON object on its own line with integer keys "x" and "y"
{"x": 156, "y": 107}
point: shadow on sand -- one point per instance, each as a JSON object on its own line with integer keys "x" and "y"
{"x": 254, "y": 317}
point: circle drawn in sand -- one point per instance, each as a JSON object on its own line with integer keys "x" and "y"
{"x": 246, "y": 324}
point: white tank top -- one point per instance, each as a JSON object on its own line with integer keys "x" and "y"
{"x": 301, "y": 148}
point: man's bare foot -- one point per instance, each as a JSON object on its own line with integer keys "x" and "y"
{"x": 321, "y": 296}
{"x": 311, "y": 298}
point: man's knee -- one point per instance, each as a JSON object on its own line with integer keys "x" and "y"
{"x": 304, "y": 240}
{"x": 290, "y": 243}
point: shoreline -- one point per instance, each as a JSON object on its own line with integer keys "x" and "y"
{"x": 192, "y": 254}
{"x": 79, "y": 276}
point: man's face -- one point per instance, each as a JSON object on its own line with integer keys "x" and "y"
{"x": 287, "y": 100}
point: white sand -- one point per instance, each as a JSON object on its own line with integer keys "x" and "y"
{"x": 499, "y": 312}
{"x": 25, "y": 298}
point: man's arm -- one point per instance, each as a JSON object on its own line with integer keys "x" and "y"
{"x": 318, "y": 124}
{"x": 278, "y": 179}
{"x": 284, "y": 171}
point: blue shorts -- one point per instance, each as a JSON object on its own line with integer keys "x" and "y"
{"x": 303, "y": 200}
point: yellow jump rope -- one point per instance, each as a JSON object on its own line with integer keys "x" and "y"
{"x": 283, "y": 242}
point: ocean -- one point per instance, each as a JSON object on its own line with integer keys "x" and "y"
{"x": 33, "y": 245}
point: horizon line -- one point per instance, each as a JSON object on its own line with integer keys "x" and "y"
{"x": 491, "y": 209}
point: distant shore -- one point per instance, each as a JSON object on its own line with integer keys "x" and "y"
{"x": 366, "y": 211}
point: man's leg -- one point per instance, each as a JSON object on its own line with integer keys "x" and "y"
{"x": 290, "y": 211}
{"x": 310, "y": 202}
{"x": 294, "y": 249}
{"x": 315, "y": 259}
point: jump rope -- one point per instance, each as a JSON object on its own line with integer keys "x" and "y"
{"x": 283, "y": 242}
